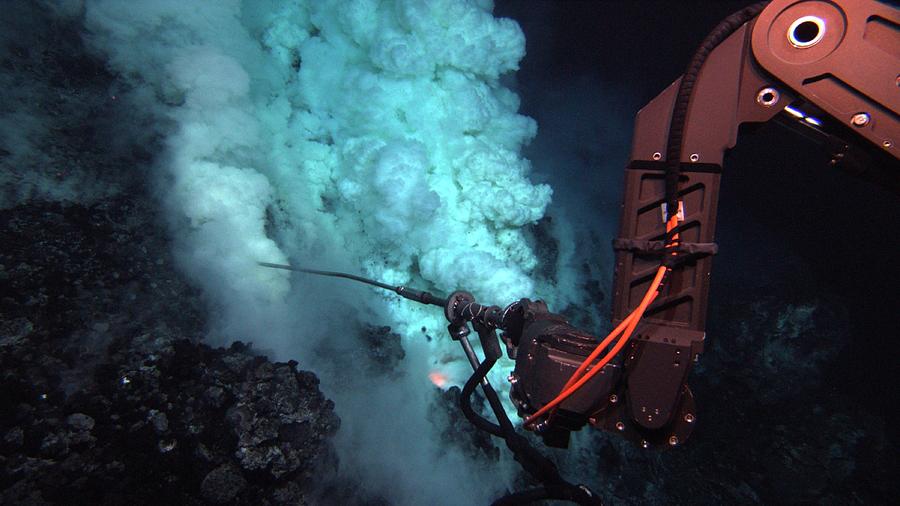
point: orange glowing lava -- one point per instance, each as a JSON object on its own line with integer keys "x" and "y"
{"x": 438, "y": 378}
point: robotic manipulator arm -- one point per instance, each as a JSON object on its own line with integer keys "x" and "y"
{"x": 831, "y": 69}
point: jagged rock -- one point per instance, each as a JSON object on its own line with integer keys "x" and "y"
{"x": 80, "y": 422}
{"x": 14, "y": 331}
{"x": 383, "y": 348}
{"x": 271, "y": 419}
{"x": 222, "y": 484}
{"x": 119, "y": 403}
{"x": 15, "y": 438}
{"x": 159, "y": 420}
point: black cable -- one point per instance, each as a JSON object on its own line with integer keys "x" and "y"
{"x": 403, "y": 291}
{"x": 682, "y": 100}
{"x": 531, "y": 460}
{"x": 331, "y": 274}
{"x": 465, "y": 402}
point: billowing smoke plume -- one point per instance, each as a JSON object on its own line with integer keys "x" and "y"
{"x": 362, "y": 135}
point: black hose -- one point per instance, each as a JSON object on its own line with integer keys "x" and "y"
{"x": 330, "y": 274}
{"x": 465, "y": 401}
{"x": 531, "y": 460}
{"x": 683, "y": 99}
{"x": 420, "y": 296}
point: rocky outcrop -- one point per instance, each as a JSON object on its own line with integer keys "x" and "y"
{"x": 108, "y": 397}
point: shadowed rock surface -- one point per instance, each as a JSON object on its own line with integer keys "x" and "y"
{"x": 107, "y": 397}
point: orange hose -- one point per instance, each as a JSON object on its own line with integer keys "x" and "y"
{"x": 629, "y": 324}
{"x": 603, "y": 344}
{"x": 600, "y": 347}
{"x": 632, "y": 324}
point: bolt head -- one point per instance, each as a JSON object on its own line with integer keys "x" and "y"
{"x": 767, "y": 97}
{"x": 860, "y": 119}
{"x": 645, "y": 443}
{"x": 689, "y": 418}
{"x": 620, "y": 426}
{"x": 673, "y": 440}
{"x": 657, "y": 155}
{"x": 695, "y": 157}
{"x": 888, "y": 144}
{"x": 613, "y": 398}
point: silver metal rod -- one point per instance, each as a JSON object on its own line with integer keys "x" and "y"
{"x": 473, "y": 358}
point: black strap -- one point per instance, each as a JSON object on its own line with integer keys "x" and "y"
{"x": 659, "y": 247}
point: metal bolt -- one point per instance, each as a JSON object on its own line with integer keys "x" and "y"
{"x": 689, "y": 418}
{"x": 767, "y": 97}
{"x": 620, "y": 426}
{"x": 860, "y": 119}
{"x": 657, "y": 155}
{"x": 888, "y": 144}
{"x": 673, "y": 440}
{"x": 513, "y": 378}
{"x": 644, "y": 443}
{"x": 613, "y": 398}
{"x": 694, "y": 157}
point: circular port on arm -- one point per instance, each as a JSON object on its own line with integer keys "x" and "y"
{"x": 806, "y": 31}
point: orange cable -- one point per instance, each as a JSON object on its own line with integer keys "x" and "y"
{"x": 579, "y": 377}
{"x": 600, "y": 347}
{"x": 651, "y": 294}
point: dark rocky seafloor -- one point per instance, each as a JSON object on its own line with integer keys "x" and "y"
{"x": 107, "y": 395}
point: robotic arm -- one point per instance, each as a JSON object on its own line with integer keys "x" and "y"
{"x": 831, "y": 68}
